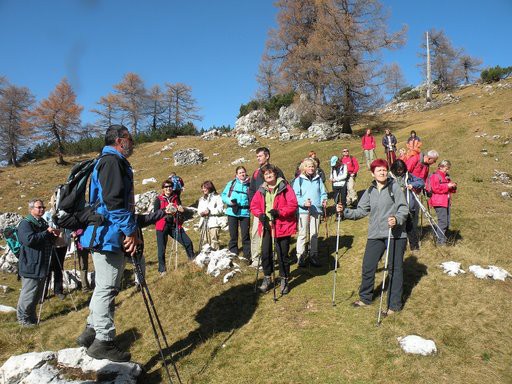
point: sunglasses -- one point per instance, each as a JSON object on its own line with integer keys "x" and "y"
{"x": 43, "y": 207}
{"x": 167, "y": 186}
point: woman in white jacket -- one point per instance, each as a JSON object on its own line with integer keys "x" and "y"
{"x": 338, "y": 177}
{"x": 211, "y": 210}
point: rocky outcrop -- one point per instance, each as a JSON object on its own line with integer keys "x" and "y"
{"x": 244, "y": 139}
{"x": 8, "y": 262}
{"x": 211, "y": 135}
{"x": 9, "y": 219}
{"x": 189, "y": 156}
{"x": 144, "y": 202}
{"x": 51, "y": 367}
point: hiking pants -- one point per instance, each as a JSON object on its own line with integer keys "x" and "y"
{"x": 161, "y": 242}
{"x": 443, "y": 221}
{"x": 351, "y": 191}
{"x": 31, "y": 293}
{"x": 375, "y": 248}
{"x": 340, "y": 194}
{"x": 109, "y": 268}
{"x": 56, "y": 267}
{"x": 390, "y": 157}
{"x": 233, "y": 223}
{"x": 314, "y": 224}
{"x": 411, "y": 226}
{"x": 283, "y": 247}
{"x": 369, "y": 154}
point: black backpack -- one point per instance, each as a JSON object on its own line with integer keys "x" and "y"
{"x": 72, "y": 211}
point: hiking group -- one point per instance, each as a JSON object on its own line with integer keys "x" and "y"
{"x": 111, "y": 230}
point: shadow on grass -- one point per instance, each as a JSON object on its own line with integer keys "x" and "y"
{"x": 326, "y": 256}
{"x": 126, "y": 339}
{"x": 225, "y": 313}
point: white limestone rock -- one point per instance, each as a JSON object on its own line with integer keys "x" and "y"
{"x": 188, "y": 156}
{"x": 144, "y": 202}
{"x": 417, "y": 345}
{"x": 8, "y": 262}
{"x": 6, "y": 309}
{"x": 16, "y": 368}
{"x": 491, "y": 271}
{"x": 245, "y": 140}
{"x": 149, "y": 180}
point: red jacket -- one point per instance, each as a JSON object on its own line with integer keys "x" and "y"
{"x": 285, "y": 202}
{"x": 352, "y": 164}
{"x": 164, "y": 202}
{"x": 441, "y": 193}
{"x": 416, "y": 166}
{"x": 368, "y": 142}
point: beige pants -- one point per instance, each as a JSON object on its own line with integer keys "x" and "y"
{"x": 351, "y": 192}
{"x": 314, "y": 224}
{"x": 214, "y": 237}
{"x": 255, "y": 241}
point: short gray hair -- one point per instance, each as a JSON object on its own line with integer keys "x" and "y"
{"x": 444, "y": 163}
{"x": 433, "y": 154}
{"x": 33, "y": 202}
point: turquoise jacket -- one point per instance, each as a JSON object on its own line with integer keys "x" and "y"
{"x": 236, "y": 190}
{"x": 313, "y": 189}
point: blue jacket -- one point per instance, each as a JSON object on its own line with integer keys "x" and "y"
{"x": 239, "y": 192}
{"x": 112, "y": 189}
{"x": 36, "y": 248}
{"x": 313, "y": 189}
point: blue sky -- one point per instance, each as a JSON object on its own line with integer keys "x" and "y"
{"x": 213, "y": 46}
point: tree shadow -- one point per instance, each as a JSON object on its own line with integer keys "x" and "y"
{"x": 225, "y": 313}
{"x": 326, "y": 256}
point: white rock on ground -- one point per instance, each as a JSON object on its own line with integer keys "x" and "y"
{"x": 451, "y": 268}
{"x": 6, "y": 309}
{"x": 149, "y": 180}
{"x": 417, "y": 345}
{"x": 216, "y": 261}
{"x": 491, "y": 271}
{"x": 35, "y": 368}
{"x": 8, "y": 262}
{"x": 5, "y": 288}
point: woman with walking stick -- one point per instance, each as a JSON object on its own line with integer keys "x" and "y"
{"x": 385, "y": 202}
{"x": 275, "y": 205}
{"x": 210, "y": 208}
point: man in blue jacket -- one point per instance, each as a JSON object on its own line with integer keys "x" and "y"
{"x": 36, "y": 239}
{"x": 111, "y": 191}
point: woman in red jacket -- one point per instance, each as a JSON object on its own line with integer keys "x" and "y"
{"x": 442, "y": 188}
{"x": 275, "y": 205}
{"x": 368, "y": 145}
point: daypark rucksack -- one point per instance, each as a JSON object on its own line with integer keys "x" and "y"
{"x": 72, "y": 211}
{"x": 428, "y": 185}
{"x": 10, "y": 234}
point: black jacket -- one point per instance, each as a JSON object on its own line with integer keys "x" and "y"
{"x": 36, "y": 248}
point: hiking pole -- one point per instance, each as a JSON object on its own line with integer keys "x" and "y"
{"x": 176, "y": 244}
{"x": 384, "y": 277}
{"x": 45, "y": 288}
{"x": 273, "y": 238}
{"x": 435, "y": 228}
{"x": 62, "y": 271}
{"x": 336, "y": 260}
{"x": 146, "y": 296}
{"x": 259, "y": 262}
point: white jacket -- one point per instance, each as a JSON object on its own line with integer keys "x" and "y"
{"x": 339, "y": 178}
{"x": 213, "y": 203}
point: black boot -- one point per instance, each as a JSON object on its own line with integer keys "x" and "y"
{"x": 265, "y": 285}
{"x": 284, "y": 286}
{"x": 86, "y": 338}
{"x": 107, "y": 350}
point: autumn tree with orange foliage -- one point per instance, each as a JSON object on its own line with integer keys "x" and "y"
{"x": 329, "y": 51}
{"x": 15, "y": 130}
{"x": 131, "y": 98}
{"x": 58, "y": 117}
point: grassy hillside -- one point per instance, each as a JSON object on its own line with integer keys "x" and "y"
{"x": 226, "y": 334}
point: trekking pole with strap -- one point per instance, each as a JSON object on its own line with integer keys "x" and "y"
{"x": 435, "y": 228}
{"x": 384, "y": 277}
{"x": 176, "y": 242}
{"x": 274, "y": 250}
{"x": 148, "y": 301}
{"x": 326, "y": 239}
{"x": 259, "y": 264}
{"x": 338, "y": 219}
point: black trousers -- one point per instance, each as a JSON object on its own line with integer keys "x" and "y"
{"x": 340, "y": 192}
{"x": 242, "y": 222}
{"x": 161, "y": 242}
{"x": 56, "y": 266}
{"x": 282, "y": 248}
{"x": 375, "y": 248}
{"x": 411, "y": 227}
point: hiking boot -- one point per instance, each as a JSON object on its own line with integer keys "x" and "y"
{"x": 86, "y": 338}
{"x": 107, "y": 350}
{"x": 313, "y": 260}
{"x": 284, "y": 286}
{"x": 27, "y": 324}
{"x": 60, "y": 296}
{"x": 265, "y": 285}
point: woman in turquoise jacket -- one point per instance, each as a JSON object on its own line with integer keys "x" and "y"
{"x": 237, "y": 201}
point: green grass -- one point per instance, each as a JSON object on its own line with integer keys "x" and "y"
{"x": 226, "y": 334}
